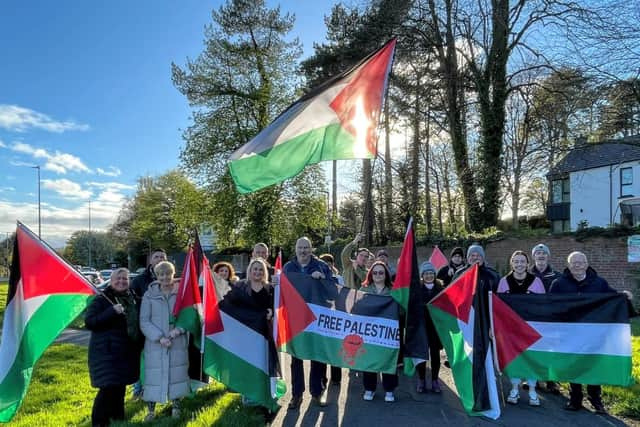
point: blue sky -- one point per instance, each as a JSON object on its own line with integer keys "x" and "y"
{"x": 86, "y": 93}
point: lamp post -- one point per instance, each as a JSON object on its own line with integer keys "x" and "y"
{"x": 39, "y": 216}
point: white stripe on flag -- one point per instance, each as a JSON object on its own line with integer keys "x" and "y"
{"x": 16, "y": 316}
{"x": 583, "y": 338}
{"x": 344, "y": 324}
{"x": 242, "y": 341}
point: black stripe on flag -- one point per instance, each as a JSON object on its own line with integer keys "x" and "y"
{"x": 570, "y": 308}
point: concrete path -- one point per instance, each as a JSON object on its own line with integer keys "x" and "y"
{"x": 74, "y": 336}
{"x": 346, "y": 407}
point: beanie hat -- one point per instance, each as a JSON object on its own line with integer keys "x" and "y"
{"x": 456, "y": 251}
{"x": 540, "y": 247}
{"x": 475, "y": 248}
{"x": 427, "y": 266}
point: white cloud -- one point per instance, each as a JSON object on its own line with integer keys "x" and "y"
{"x": 113, "y": 171}
{"x": 5, "y": 189}
{"x": 19, "y": 119}
{"x": 66, "y": 188}
{"x": 58, "y": 223}
{"x": 2, "y": 144}
{"x": 111, "y": 185}
{"x": 57, "y": 162}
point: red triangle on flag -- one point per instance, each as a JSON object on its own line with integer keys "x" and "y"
{"x": 457, "y": 298}
{"x": 43, "y": 271}
{"x": 359, "y": 103}
{"x": 188, "y": 292}
{"x": 437, "y": 258}
{"x": 513, "y": 335}
{"x": 212, "y": 318}
{"x": 404, "y": 271}
{"x": 293, "y": 312}
{"x": 277, "y": 268}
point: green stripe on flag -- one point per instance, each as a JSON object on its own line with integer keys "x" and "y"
{"x": 365, "y": 357}
{"x": 45, "y": 324}
{"x": 576, "y": 368}
{"x": 189, "y": 320}
{"x": 238, "y": 375}
{"x": 454, "y": 345}
{"x": 287, "y": 159}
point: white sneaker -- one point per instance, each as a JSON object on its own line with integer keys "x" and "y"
{"x": 389, "y": 397}
{"x": 368, "y": 395}
{"x": 534, "y": 400}
{"x": 514, "y": 396}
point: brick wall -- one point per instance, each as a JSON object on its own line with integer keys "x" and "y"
{"x": 608, "y": 256}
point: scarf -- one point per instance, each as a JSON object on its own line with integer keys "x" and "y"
{"x": 128, "y": 301}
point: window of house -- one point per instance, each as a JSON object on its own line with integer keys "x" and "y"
{"x": 560, "y": 191}
{"x": 626, "y": 181}
{"x": 560, "y": 226}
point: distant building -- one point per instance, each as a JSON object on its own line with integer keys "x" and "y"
{"x": 596, "y": 184}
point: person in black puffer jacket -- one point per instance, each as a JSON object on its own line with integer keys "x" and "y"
{"x": 114, "y": 347}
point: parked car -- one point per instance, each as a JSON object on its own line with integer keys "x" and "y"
{"x": 106, "y": 274}
{"x": 104, "y": 284}
{"x": 93, "y": 276}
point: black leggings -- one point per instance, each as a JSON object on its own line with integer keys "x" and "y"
{"x": 108, "y": 405}
{"x": 434, "y": 354}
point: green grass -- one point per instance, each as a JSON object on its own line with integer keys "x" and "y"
{"x": 61, "y": 394}
{"x": 626, "y": 401}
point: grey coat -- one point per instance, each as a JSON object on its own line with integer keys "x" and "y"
{"x": 165, "y": 369}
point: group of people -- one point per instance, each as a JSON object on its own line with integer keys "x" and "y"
{"x": 130, "y": 320}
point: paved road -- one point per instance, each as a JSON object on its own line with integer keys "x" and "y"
{"x": 346, "y": 407}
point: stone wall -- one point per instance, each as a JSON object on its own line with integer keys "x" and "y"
{"x": 608, "y": 256}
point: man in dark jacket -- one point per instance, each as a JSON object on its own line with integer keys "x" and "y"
{"x": 456, "y": 262}
{"x": 543, "y": 271}
{"x": 141, "y": 282}
{"x": 541, "y": 267}
{"x": 578, "y": 277}
{"x": 488, "y": 278}
{"x": 306, "y": 263}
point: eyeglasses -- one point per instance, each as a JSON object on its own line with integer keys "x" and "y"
{"x": 378, "y": 272}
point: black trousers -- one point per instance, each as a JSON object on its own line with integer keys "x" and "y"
{"x": 593, "y": 391}
{"x": 336, "y": 374}
{"x": 317, "y": 377}
{"x": 370, "y": 381}
{"x": 196, "y": 371}
{"x": 108, "y": 405}
{"x": 434, "y": 355}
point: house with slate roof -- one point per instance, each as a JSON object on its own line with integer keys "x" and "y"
{"x": 596, "y": 183}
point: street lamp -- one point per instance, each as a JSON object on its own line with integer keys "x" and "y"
{"x": 39, "y": 217}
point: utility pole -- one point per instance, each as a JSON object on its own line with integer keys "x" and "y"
{"x": 39, "y": 216}
{"x": 90, "y": 235}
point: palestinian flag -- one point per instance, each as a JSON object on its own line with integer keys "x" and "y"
{"x": 437, "y": 258}
{"x": 580, "y": 338}
{"x": 406, "y": 291}
{"x": 319, "y": 320}
{"x": 188, "y": 307}
{"x": 337, "y": 120}
{"x": 461, "y": 317}
{"x": 45, "y": 295}
{"x": 238, "y": 349}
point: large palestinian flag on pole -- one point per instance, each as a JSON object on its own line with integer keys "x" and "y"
{"x": 406, "y": 291}
{"x": 45, "y": 295}
{"x": 580, "y": 338}
{"x": 238, "y": 347}
{"x": 461, "y": 317}
{"x": 337, "y": 120}
{"x": 319, "y": 320}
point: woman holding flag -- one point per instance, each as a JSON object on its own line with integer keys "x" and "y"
{"x": 166, "y": 375}
{"x": 520, "y": 281}
{"x": 114, "y": 347}
{"x": 378, "y": 281}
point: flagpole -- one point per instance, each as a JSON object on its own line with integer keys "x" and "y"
{"x": 496, "y": 362}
